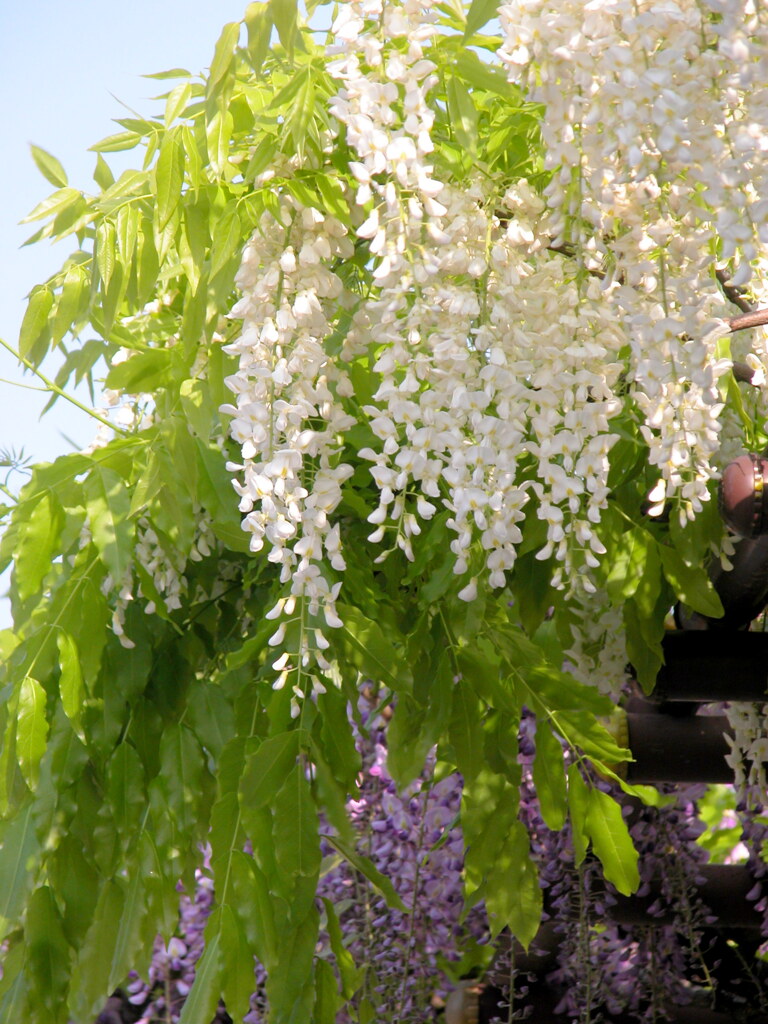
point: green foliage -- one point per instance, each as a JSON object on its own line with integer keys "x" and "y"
{"x": 139, "y": 719}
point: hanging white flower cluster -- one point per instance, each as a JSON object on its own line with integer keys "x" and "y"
{"x": 288, "y": 419}
{"x": 157, "y": 572}
{"x": 507, "y": 331}
{"x": 748, "y": 755}
{"x": 654, "y": 132}
{"x": 487, "y": 358}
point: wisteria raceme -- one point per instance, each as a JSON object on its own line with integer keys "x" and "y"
{"x": 287, "y": 420}
{"x": 650, "y": 170}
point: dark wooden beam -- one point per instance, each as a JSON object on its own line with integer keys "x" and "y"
{"x": 707, "y": 665}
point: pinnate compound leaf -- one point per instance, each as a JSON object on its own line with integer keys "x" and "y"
{"x": 108, "y": 505}
{"x": 611, "y": 841}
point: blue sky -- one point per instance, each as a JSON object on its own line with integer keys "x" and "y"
{"x": 64, "y": 68}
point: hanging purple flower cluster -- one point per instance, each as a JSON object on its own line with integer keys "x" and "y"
{"x": 598, "y": 953}
{"x": 412, "y": 838}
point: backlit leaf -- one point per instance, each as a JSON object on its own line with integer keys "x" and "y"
{"x": 611, "y": 841}
{"x": 549, "y": 776}
{"x": 108, "y": 503}
{"x": 71, "y": 685}
{"x": 31, "y": 728}
{"x": 49, "y": 166}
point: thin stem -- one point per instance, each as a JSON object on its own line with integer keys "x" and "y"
{"x": 416, "y": 880}
{"x": 52, "y": 386}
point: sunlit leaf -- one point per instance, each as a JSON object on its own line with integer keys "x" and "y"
{"x": 49, "y": 166}
{"x": 611, "y": 841}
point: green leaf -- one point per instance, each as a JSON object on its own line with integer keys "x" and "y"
{"x": 549, "y": 777}
{"x": 137, "y": 905}
{"x": 35, "y": 322}
{"x": 513, "y": 896}
{"x": 578, "y": 805}
{"x": 368, "y": 648}
{"x": 691, "y": 583}
{"x": 223, "y": 57}
{"x": 295, "y": 827}
{"x": 116, "y": 143}
{"x": 227, "y": 239}
{"x": 49, "y": 166}
{"x": 218, "y": 136}
{"x": 48, "y": 951}
{"x": 629, "y": 556}
{"x": 327, "y": 1000}
{"x": 169, "y": 174}
{"x": 480, "y": 75}
{"x": 266, "y": 769}
{"x": 69, "y": 303}
{"x": 71, "y": 685}
{"x": 19, "y": 851}
{"x": 465, "y": 730}
{"x": 31, "y": 728}
{"x": 91, "y": 972}
{"x": 206, "y": 990}
{"x": 143, "y": 371}
{"x": 366, "y": 868}
{"x": 125, "y": 788}
{"x": 645, "y": 657}
{"x": 127, "y": 230}
{"x": 105, "y": 251}
{"x": 237, "y": 976}
{"x": 284, "y": 13}
{"x": 351, "y": 975}
{"x": 108, "y": 504}
{"x": 258, "y": 21}
{"x": 57, "y": 202}
{"x": 479, "y": 14}
{"x": 611, "y": 841}
{"x": 38, "y": 536}
{"x": 102, "y": 174}
{"x": 254, "y": 904}
{"x": 178, "y": 98}
{"x": 463, "y": 115}
{"x": 338, "y": 742}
